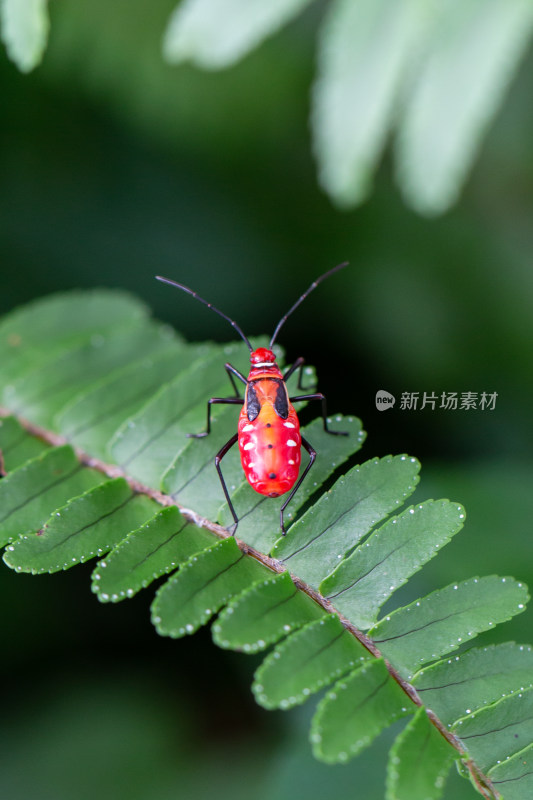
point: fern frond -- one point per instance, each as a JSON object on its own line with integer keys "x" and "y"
{"x": 311, "y": 595}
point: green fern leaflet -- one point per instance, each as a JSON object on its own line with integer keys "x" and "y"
{"x": 96, "y": 399}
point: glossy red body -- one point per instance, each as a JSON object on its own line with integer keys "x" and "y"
{"x": 268, "y": 430}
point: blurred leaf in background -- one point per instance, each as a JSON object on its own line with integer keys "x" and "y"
{"x": 25, "y": 26}
{"x": 449, "y": 63}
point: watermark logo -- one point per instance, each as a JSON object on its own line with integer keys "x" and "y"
{"x": 384, "y": 400}
{"x": 449, "y": 401}
{"x": 446, "y": 401}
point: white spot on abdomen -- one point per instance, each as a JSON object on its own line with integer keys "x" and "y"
{"x": 247, "y": 428}
{"x": 289, "y": 424}
{"x": 249, "y": 446}
{"x": 291, "y": 443}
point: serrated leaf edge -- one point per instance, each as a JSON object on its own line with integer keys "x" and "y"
{"x": 112, "y": 471}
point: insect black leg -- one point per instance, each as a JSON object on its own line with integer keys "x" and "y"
{"x": 312, "y": 456}
{"x": 298, "y": 364}
{"x": 218, "y": 458}
{"x": 221, "y": 400}
{"x": 320, "y": 396}
{"x": 231, "y": 372}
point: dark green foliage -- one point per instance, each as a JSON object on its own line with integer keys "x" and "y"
{"x": 30, "y": 493}
{"x": 87, "y": 526}
{"x": 312, "y": 658}
{"x": 345, "y": 514}
{"x": 480, "y": 676}
{"x": 451, "y": 68}
{"x": 364, "y": 581}
{"x": 514, "y": 777}
{"x": 263, "y": 614}
{"x": 419, "y": 761}
{"x": 441, "y": 622}
{"x": 202, "y": 586}
{"x": 356, "y": 710}
{"x": 17, "y": 445}
{"x": 100, "y": 375}
{"x": 146, "y": 553}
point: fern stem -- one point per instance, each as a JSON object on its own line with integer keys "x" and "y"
{"x": 481, "y": 781}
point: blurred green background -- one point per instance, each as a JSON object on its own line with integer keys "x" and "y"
{"x": 115, "y": 167}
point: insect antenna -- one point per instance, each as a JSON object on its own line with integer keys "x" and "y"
{"x": 209, "y": 305}
{"x": 302, "y": 298}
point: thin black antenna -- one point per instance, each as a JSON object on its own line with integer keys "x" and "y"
{"x": 302, "y": 298}
{"x": 209, "y": 305}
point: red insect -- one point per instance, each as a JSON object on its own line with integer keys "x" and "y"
{"x": 268, "y": 432}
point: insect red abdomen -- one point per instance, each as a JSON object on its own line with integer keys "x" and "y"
{"x": 269, "y": 435}
{"x": 268, "y": 432}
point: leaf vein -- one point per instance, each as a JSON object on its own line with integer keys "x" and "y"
{"x": 510, "y": 780}
{"x": 91, "y": 524}
{"x": 269, "y": 609}
{"x": 15, "y": 443}
{"x": 332, "y": 524}
{"x": 369, "y": 572}
{"x": 216, "y": 576}
{"x": 373, "y": 693}
{"x": 325, "y": 646}
{"x": 445, "y": 685}
{"x": 193, "y": 477}
{"x": 109, "y": 412}
{"x": 155, "y": 436}
{"x": 420, "y": 628}
{"x": 44, "y": 489}
{"x": 159, "y": 546}
{"x": 496, "y": 730}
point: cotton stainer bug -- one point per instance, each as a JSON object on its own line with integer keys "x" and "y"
{"x": 268, "y": 431}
